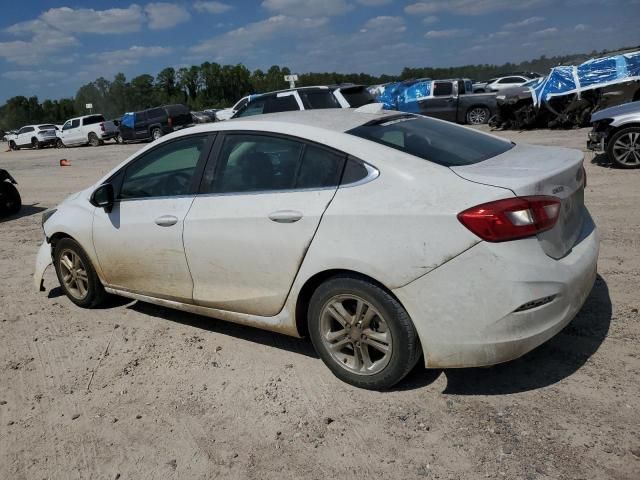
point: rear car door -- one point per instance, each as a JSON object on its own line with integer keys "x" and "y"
{"x": 139, "y": 242}
{"x": 443, "y": 102}
{"x": 140, "y": 125}
{"x": 261, "y": 201}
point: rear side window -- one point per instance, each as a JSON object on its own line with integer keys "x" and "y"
{"x": 320, "y": 168}
{"x": 353, "y": 172}
{"x": 441, "y": 89}
{"x": 319, "y": 99}
{"x": 286, "y": 103}
{"x": 357, "y": 96}
{"x": 92, "y": 120}
{"x": 439, "y": 142}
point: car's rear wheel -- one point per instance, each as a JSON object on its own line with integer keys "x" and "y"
{"x": 76, "y": 275}
{"x": 362, "y": 333}
{"x": 623, "y": 148}
{"x": 10, "y": 201}
{"x": 156, "y": 133}
{"x": 478, "y": 115}
{"x": 94, "y": 141}
{"x": 119, "y": 139}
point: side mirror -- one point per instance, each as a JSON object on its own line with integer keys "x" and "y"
{"x": 103, "y": 197}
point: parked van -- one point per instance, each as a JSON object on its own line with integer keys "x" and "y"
{"x": 153, "y": 123}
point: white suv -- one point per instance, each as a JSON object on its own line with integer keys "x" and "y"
{"x": 33, "y": 136}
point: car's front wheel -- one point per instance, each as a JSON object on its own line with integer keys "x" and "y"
{"x": 623, "y": 148}
{"x": 362, "y": 333}
{"x": 76, "y": 275}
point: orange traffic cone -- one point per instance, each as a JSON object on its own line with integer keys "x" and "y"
{"x": 65, "y": 163}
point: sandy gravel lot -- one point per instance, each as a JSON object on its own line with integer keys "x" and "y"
{"x": 180, "y": 396}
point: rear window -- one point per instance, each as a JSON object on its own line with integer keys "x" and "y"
{"x": 357, "y": 96}
{"x": 93, "y": 119}
{"x": 47, "y": 127}
{"x": 155, "y": 113}
{"x": 436, "y": 141}
{"x": 319, "y": 99}
{"x": 177, "y": 109}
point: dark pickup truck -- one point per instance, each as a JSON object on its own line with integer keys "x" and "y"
{"x": 449, "y": 99}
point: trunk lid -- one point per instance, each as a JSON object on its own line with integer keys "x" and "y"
{"x": 534, "y": 170}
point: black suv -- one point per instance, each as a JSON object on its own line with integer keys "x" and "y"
{"x": 153, "y": 122}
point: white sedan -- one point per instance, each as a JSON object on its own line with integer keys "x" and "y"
{"x": 383, "y": 236}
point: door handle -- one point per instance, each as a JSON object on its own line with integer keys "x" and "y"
{"x": 166, "y": 220}
{"x": 285, "y": 216}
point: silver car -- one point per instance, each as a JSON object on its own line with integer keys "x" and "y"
{"x": 616, "y": 131}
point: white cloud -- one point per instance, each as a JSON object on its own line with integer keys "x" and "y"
{"x": 374, "y": 3}
{"x": 43, "y": 42}
{"x": 129, "y": 56}
{"x": 523, "y": 23}
{"x": 307, "y": 8}
{"x": 88, "y": 20}
{"x": 430, "y": 20}
{"x": 547, "y": 32}
{"x": 212, "y": 7}
{"x": 165, "y": 15}
{"x": 390, "y": 24}
{"x": 248, "y": 39}
{"x": 469, "y": 7}
{"x": 30, "y": 75}
{"x": 448, "y": 33}
{"x": 581, "y": 27}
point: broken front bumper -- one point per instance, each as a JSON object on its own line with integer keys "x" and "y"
{"x": 596, "y": 141}
{"x": 43, "y": 260}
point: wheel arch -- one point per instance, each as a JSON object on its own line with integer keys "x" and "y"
{"x": 312, "y": 283}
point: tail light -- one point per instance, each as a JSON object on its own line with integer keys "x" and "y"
{"x": 102, "y": 126}
{"x": 170, "y": 122}
{"x": 511, "y": 218}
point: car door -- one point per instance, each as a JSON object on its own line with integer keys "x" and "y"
{"x": 72, "y": 132}
{"x": 442, "y": 103}
{"x": 24, "y": 136}
{"x": 249, "y": 229}
{"x": 139, "y": 242}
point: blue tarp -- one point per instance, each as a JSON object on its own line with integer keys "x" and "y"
{"x": 595, "y": 73}
{"x": 403, "y": 96}
{"x": 128, "y": 119}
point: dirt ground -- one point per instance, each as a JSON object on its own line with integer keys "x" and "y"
{"x": 180, "y": 396}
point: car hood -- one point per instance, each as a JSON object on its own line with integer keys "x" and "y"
{"x": 624, "y": 109}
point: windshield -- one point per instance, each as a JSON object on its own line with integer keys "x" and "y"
{"x": 433, "y": 140}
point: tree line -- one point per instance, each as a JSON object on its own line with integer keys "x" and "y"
{"x": 211, "y": 85}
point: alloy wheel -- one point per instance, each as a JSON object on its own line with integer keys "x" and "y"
{"x": 478, "y": 116}
{"x": 74, "y": 274}
{"x": 626, "y": 149}
{"x": 355, "y": 334}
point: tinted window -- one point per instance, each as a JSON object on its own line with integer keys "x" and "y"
{"x": 286, "y": 103}
{"x": 439, "y": 142}
{"x": 256, "y": 107}
{"x": 140, "y": 117}
{"x": 320, "y": 168}
{"x": 93, "y": 119}
{"x": 22, "y": 130}
{"x": 155, "y": 113}
{"x": 249, "y": 163}
{"x": 67, "y": 125}
{"x": 512, "y": 80}
{"x": 75, "y": 123}
{"x": 164, "y": 171}
{"x": 47, "y": 127}
{"x": 353, "y": 172}
{"x": 441, "y": 89}
{"x": 319, "y": 99}
{"x": 357, "y": 96}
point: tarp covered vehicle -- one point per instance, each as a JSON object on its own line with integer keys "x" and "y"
{"x": 568, "y": 96}
{"x": 10, "y": 201}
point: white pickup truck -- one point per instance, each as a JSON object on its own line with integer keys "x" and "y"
{"x": 90, "y": 129}
{"x": 32, "y": 136}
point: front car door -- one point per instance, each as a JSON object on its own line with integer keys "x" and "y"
{"x": 139, "y": 243}
{"x": 72, "y": 132}
{"x": 24, "y": 136}
{"x": 443, "y": 102}
{"x": 261, "y": 201}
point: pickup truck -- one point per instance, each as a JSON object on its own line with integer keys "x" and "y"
{"x": 450, "y": 99}
{"x": 33, "y": 136}
{"x": 90, "y": 129}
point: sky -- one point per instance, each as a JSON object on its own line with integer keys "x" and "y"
{"x": 49, "y": 48}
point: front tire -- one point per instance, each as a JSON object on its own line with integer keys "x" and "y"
{"x": 59, "y": 143}
{"x": 13, "y": 146}
{"x": 35, "y": 144}
{"x": 362, "y": 333}
{"x": 10, "y": 201}
{"x": 623, "y": 148}
{"x": 478, "y": 115}
{"x": 76, "y": 275}
{"x": 119, "y": 139}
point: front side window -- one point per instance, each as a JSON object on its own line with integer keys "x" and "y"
{"x": 442, "y": 89}
{"x": 23, "y": 130}
{"x": 439, "y": 142}
{"x": 67, "y": 125}
{"x": 254, "y": 108}
{"x": 164, "y": 171}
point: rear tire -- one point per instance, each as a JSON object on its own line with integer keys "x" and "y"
{"x": 10, "y": 201}
{"x": 119, "y": 139}
{"x": 478, "y": 115}
{"x": 94, "y": 141}
{"x": 13, "y": 146}
{"x": 156, "y": 133}
{"x": 623, "y": 148}
{"x": 362, "y": 333}
{"x": 76, "y": 275}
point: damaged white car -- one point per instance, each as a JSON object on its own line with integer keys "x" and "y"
{"x": 385, "y": 237}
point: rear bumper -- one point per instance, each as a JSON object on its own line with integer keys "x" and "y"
{"x": 48, "y": 141}
{"x": 465, "y": 310}
{"x": 108, "y": 135}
